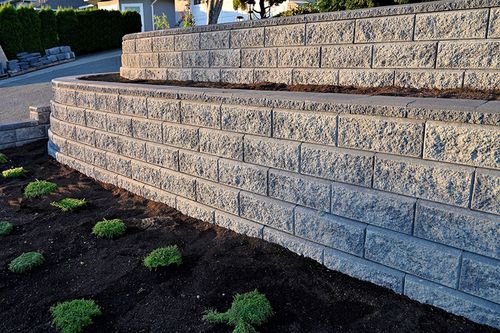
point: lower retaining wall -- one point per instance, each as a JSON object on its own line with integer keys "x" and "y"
{"x": 20, "y": 133}
{"x": 402, "y": 192}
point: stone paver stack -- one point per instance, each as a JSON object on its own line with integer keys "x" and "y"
{"x": 26, "y": 61}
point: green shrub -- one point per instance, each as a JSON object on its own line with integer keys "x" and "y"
{"x": 69, "y": 204}
{"x": 73, "y": 316}
{"x": 67, "y": 26}
{"x": 26, "y": 262}
{"x": 30, "y": 29}
{"x": 10, "y": 31}
{"x": 48, "y": 28}
{"x": 162, "y": 257}
{"x": 131, "y": 22}
{"x": 3, "y": 159}
{"x": 247, "y": 310}
{"x": 14, "y": 172}
{"x": 39, "y": 188}
{"x": 109, "y": 228}
{"x": 6, "y": 228}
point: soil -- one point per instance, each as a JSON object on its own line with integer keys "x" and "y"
{"x": 217, "y": 263}
{"x": 381, "y": 91}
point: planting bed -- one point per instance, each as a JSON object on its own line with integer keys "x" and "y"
{"x": 217, "y": 263}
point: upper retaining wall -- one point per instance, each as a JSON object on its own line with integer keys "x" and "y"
{"x": 402, "y": 192}
{"x": 444, "y": 44}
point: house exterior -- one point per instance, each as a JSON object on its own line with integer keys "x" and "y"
{"x": 53, "y": 4}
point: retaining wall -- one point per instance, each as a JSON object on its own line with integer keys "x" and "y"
{"x": 441, "y": 44}
{"x": 19, "y": 133}
{"x": 402, "y": 192}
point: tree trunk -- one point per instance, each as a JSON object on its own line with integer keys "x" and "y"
{"x": 214, "y": 9}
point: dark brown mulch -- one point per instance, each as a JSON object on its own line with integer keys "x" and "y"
{"x": 382, "y": 91}
{"x": 217, "y": 264}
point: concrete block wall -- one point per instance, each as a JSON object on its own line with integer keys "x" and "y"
{"x": 19, "y": 133}
{"x": 403, "y": 192}
{"x": 440, "y": 44}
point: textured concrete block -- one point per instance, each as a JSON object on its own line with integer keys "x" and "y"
{"x": 248, "y": 177}
{"x": 273, "y": 213}
{"x": 178, "y": 183}
{"x": 179, "y": 74}
{"x": 119, "y": 124}
{"x": 187, "y": 42}
{"x": 221, "y": 143}
{"x": 405, "y": 55}
{"x": 482, "y": 80}
{"x": 85, "y": 135}
{"x": 148, "y": 60}
{"x": 486, "y": 196}
{"x": 147, "y": 129}
{"x": 163, "y": 109}
{"x": 373, "y": 207}
{"x": 156, "y": 73}
{"x": 330, "y": 230}
{"x": 57, "y": 111}
{"x": 128, "y": 46}
{"x": 308, "y": 56}
{"x": 132, "y": 148}
{"x": 85, "y": 99}
{"x": 199, "y": 165}
{"x": 366, "y": 78}
{"x": 238, "y": 224}
{"x": 118, "y": 164}
{"x": 460, "y": 228}
{"x": 469, "y": 54}
{"x": 75, "y": 115}
{"x": 134, "y": 106}
{"x": 157, "y": 195}
{"x": 214, "y": 40}
{"x": 346, "y": 56}
{"x": 196, "y": 210}
{"x": 453, "y": 301}
{"x": 385, "y": 29}
{"x": 337, "y": 164}
{"x": 253, "y": 37}
{"x": 106, "y": 102}
{"x": 224, "y": 58}
{"x": 195, "y": 59}
{"x": 100, "y": 174}
{"x": 162, "y": 155}
{"x": 305, "y": 126}
{"x": 428, "y": 79}
{"x": 259, "y": 58}
{"x": 143, "y": 45}
{"x": 494, "y": 28}
{"x": 218, "y": 196}
{"x": 132, "y": 73}
{"x": 206, "y": 75}
{"x": 170, "y": 59}
{"x": 480, "y": 277}
{"x": 201, "y": 114}
{"x": 302, "y": 190}
{"x": 163, "y": 43}
{"x": 96, "y": 157}
{"x": 364, "y": 270}
{"x": 274, "y": 153}
{"x": 64, "y": 96}
{"x": 422, "y": 179}
{"x": 412, "y": 255}
{"x": 463, "y": 143}
{"x": 273, "y": 76}
{"x": 316, "y": 76}
{"x": 294, "y": 244}
{"x": 381, "y": 134}
{"x": 130, "y": 60}
{"x": 106, "y": 141}
{"x": 285, "y": 35}
{"x": 184, "y": 136}
{"x": 451, "y": 25}
{"x": 236, "y": 75}
{"x": 246, "y": 119}
{"x": 146, "y": 173}
{"x": 334, "y": 32}
{"x": 130, "y": 185}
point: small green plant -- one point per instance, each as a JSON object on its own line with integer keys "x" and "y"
{"x": 109, "y": 228}
{"x": 73, "y": 316}
{"x": 162, "y": 257}
{"x": 6, "y": 228}
{"x": 26, "y": 262}
{"x": 3, "y": 159}
{"x": 39, "y": 188}
{"x": 14, "y": 172}
{"x": 161, "y": 22}
{"x": 69, "y": 204}
{"x": 247, "y": 310}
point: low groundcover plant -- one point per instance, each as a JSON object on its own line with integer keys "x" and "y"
{"x": 162, "y": 257}
{"x": 73, "y": 316}
{"x": 109, "y": 228}
{"x": 247, "y": 310}
{"x": 69, "y": 204}
{"x": 39, "y": 188}
{"x": 3, "y": 159}
{"x": 6, "y": 228}
{"x": 26, "y": 262}
{"x": 14, "y": 172}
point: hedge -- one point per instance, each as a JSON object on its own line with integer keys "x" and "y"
{"x": 86, "y": 31}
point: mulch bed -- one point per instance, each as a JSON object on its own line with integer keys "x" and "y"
{"x": 217, "y": 264}
{"x": 381, "y": 91}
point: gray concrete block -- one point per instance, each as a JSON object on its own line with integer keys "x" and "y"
{"x": 273, "y": 75}
{"x": 222, "y": 144}
{"x": 274, "y": 153}
{"x": 85, "y": 99}
{"x": 96, "y": 157}
{"x": 195, "y": 59}
{"x": 206, "y": 75}
{"x": 143, "y": 45}
{"x": 196, "y": 210}
{"x": 148, "y": 60}
{"x": 483, "y": 80}
{"x": 146, "y": 173}
{"x": 294, "y": 244}
{"x": 95, "y": 119}
{"x": 267, "y": 57}
{"x": 183, "y": 136}
{"x": 451, "y": 25}
{"x": 405, "y": 55}
{"x": 132, "y": 148}
{"x": 178, "y": 183}
{"x": 199, "y": 165}
{"x": 245, "y": 176}
{"x": 412, "y": 255}
{"x": 201, "y": 114}
{"x": 147, "y": 129}
{"x": 333, "y": 32}
{"x": 285, "y": 35}
{"x": 128, "y": 46}
{"x": 162, "y": 43}
{"x": 179, "y": 74}
{"x": 118, "y": 164}
{"x": 366, "y": 78}
{"x": 106, "y": 141}
{"x": 162, "y": 155}
{"x": 214, "y": 40}
{"x": 385, "y": 29}
{"x": 219, "y": 196}
{"x": 238, "y": 224}
{"x": 316, "y": 76}
{"x": 486, "y": 195}
{"x": 429, "y": 79}
{"x": 85, "y": 135}
{"x": 480, "y": 277}
{"x": 224, "y": 58}
{"x": 469, "y": 54}
{"x": 236, "y": 75}
{"x": 307, "y": 56}
{"x": 134, "y": 106}
{"x": 157, "y": 195}
{"x": 346, "y": 56}
{"x": 156, "y": 73}
{"x": 130, "y": 185}
{"x": 253, "y": 37}
{"x": 246, "y": 119}
{"x": 64, "y": 96}
{"x": 119, "y": 124}
{"x": 75, "y": 115}
{"x": 187, "y": 42}
{"x": 270, "y": 212}
{"x": 494, "y": 28}
{"x": 170, "y": 60}
{"x": 163, "y": 109}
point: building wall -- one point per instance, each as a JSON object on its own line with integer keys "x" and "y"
{"x": 444, "y": 44}
{"x": 400, "y": 191}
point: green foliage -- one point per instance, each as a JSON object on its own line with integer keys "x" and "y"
{"x": 48, "y": 26}
{"x": 131, "y": 22}
{"x": 69, "y": 204}
{"x": 162, "y": 257}
{"x": 39, "y": 188}
{"x": 109, "y": 228}
{"x": 3, "y": 159}
{"x": 307, "y": 8}
{"x": 30, "y": 29}
{"x": 247, "y": 310}
{"x": 14, "y": 172}
{"x": 187, "y": 18}
{"x": 73, "y": 316}
{"x": 6, "y": 228}
{"x": 10, "y": 31}
{"x": 257, "y": 8}
{"x": 26, "y": 262}
{"x": 161, "y": 22}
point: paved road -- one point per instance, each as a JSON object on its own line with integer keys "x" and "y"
{"x": 18, "y": 93}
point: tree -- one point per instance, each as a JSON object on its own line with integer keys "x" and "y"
{"x": 214, "y": 8}
{"x": 262, "y": 9}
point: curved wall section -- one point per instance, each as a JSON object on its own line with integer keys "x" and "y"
{"x": 440, "y": 44}
{"x": 402, "y": 192}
